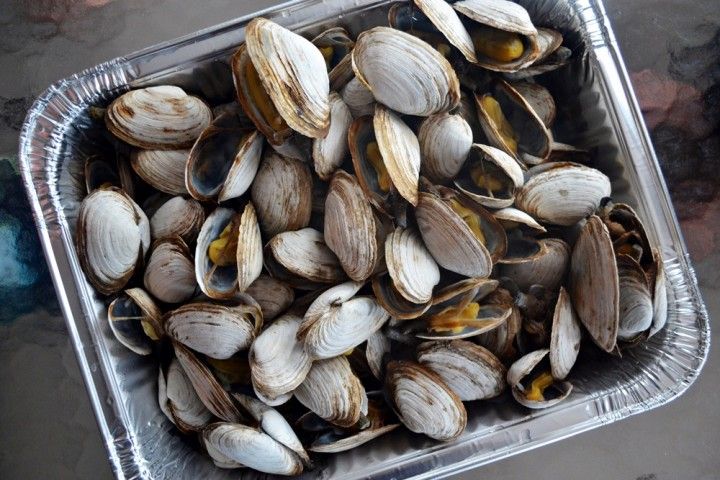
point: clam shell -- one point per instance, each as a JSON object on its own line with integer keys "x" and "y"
{"x": 660, "y": 298}
{"x": 341, "y": 74}
{"x": 293, "y": 73}
{"x": 182, "y": 406}
{"x": 445, "y": 142}
{"x": 540, "y": 99}
{"x": 501, "y": 340}
{"x": 214, "y": 281}
{"x": 170, "y": 273}
{"x": 211, "y": 393}
{"x": 523, "y": 367}
{"x": 489, "y": 318}
{"x": 244, "y": 167}
{"x": 564, "y": 338}
{"x": 127, "y": 328}
{"x": 101, "y": 171}
{"x": 393, "y": 301}
{"x": 499, "y": 164}
{"x": 361, "y": 134}
{"x": 549, "y": 41}
{"x": 562, "y": 193}
{"x": 273, "y": 296}
{"x": 339, "y": 40}
{"x": 510, "y": 217}
{"x": 333, "y": 392}
{"x": 594, "y": 285}
{"x": 278, "y": 360}
{"x": 113, "y": 235}
{"x": 302, "y": 256}
{"x": 162, "y": 169}
{"x": 337, "y": 322}
{"x": 252, "y": 448}
{"x": 424, "y": 403}
{"x": 470, "y": 370}
{"x": 442, "y": 15}
{"x": 352, "y": 441}
{"x": 405, "y": 73}
{"x": 359, "y": 100}
{"x": 636, "y": 305}
{"x": 330, "y": 151}
{"x": 218, "y": 458}
{"x": 546, "y": 267}
{"x": 282, "y": 194}
{"x": 218, "y": 331}
{"x": 162, "y": 117}
{"x": 400, "y": 151}
{"x": 410, "y": 265}
{"x": 250, "y": 249}
{"x": 178, "y": 217}
{"x": 375, "y": 349}
{"x": 350, "y": 230}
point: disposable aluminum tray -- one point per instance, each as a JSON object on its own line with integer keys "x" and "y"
{"x": 597, "y": 111}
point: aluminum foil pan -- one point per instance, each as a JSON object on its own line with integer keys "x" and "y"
{"x": 597, "y": 111}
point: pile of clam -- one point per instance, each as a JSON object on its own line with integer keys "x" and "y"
{"x": 378, "y": 230}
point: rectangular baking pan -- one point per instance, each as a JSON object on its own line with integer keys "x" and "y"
{"x": 597, "y": 111}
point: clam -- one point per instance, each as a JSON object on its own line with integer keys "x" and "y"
{"x": 445, "y": 142}
{"x": 490, "y": 177}
{"x": 400, "y": 152}
{"x": 162, "y": 169}
{"x": 252, "y": 448}
{"x": 375, "y": 349}
{"x": 177, "y": 217}
{"x": 302, "y": 259}
{"x": 579, "y": 188}
{"x": 405, "y": 73}
{"x": 170, "y": 273}
{"x": 282, "y": 194}
{"x": 368, "y": 164}
{"x": 423, "y": 402}
{"x": 178, "y": 400}
{"x": 501, "y": 340}
{"x": 224, "y": 160}
{"x": 540, "y": 100}
{"x": 511, "y": 218}
{"x": 333, "y": 392}
{"x": 410, "y": 265}
{"x": 216, "y": 254}
{"x": 532, "y": 384}
{"x": 350, "y": 227}
{"x": 218, "y": 458}
{"x": 338, "y": 320}
{"x": 206, "y": 386}
{"x": 471, "y": 371}
{"x": 135, "y": 320}
{"x": 552, "y": 55}
{"x": 511, "y": 124}
{"x": 249, "y": 256}
{"x": 462, "y": 236}
{"x": 446, "y": 20}
{"x": 329, "y": 152}
{"x": 536, "y": 262}
{"x": 230, "y": 372}
{"x": 594, "y": 285}
{"x": 294, "y": 75}
{"x": 218, "y": 331}
{"x": 162, "y": 117}
{"x": 335, "y": 45}
{"x": 273, "y": 296}
{"x": 635, "y": 304}
{"x": 101, "y": 172}
{"x": 505, "y": 38}
{"x": 358, "y": 99}
{"x": 113, "y": 235}
{"x": 565, "y": 337}
{"x": 278, "y": 360}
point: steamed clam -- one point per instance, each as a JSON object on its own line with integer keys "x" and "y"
{"x": 135, "y": 320}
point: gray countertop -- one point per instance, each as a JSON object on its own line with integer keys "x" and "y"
{"x": 47, "y": 429}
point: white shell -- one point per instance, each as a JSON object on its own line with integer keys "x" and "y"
{"x": 330, "y": 151}
{"x": 507, "y": 166}
{"x": 304, "y": 254}
{"x": 446, "y": 19}
{"x": 215, "y": 282}
{"x": 170, "y": 274}
{"x": 358, "y": 98}
{"x": 547, "y": 267}
{"x": 523, "y": 367}
{"x": 564, "y": 338}
{"x": 273, "y": 296}
{"x": 162, "y": 117}
{"x": 244, "y": 167}
{"x": 162, "y": 169}
{"x": 405, "y": 73}
{"x": 636, "y": 306}
{"x": 177, "y": 217}
{"x": 278, "y": 362}
{"x": 510, "y": 216}
{"x": 400, "y": 151}
{"x": 445, "y": 142}
{"x": 411, "y": 266}
{"x": 660, "y": 298}
{"x": 375, "y": 349}
{"x": 250, "y": 249}
{"x": 182, "y": 405}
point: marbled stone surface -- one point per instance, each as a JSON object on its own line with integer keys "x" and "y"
{"x": 47, "y": 429}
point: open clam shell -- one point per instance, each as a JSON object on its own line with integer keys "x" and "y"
{"x": 424, "y": 403}
{"x": 562, "y": 193}
{"x": 273, "y": 296}
{"x": 359, "y": 100}
{"x": 375, "y": 349}
{"x": 493, "y": 17}
{"x": 338, "y": 321}
{"x": 405, "y": 73}
{"x": 564, "y": 338}
{"x": 135, "y": 320}
{"x": 445, "y": 19}
{"x": 335, "y": 45}
{"x": 368, "y": 164}
{"x": 302, "y": 259}
{"x": 113, "y": 235}
{"x": 400, "y": 152}
{"x": 170, "y": 273}
{"x": 594, "y": 285}
{"x": 445, "y": 142}
{"x": 178, "y": 217}
{"x": 162, "y": 117}
{"x": 278, "y": 360}
{"x": 178, "y": 400}
{"x": 101, "y": 172}
{"x": 490, "y": 177}
{"x": 218, "y": 331}
{"x": 393, "y": 301}
{"x": 501, "y": 340}
{"x": 531, "y": 383}
{"x": 540, "y": 99}
{"x": 410, "y": 265}
{"x": 252, "y": 448}
{"x": 536, "y": 262}
{"x": 282, "y": 194}
{"x": 470, "y": 370}
{"x": 333, "y": 392}
{"x": 350, "y": 227}
{"x": 636, "y": 304}
{"x": 249, "y": 253}
{"x": 293, "y": 73}
{"x": 215, "y": 281}
{"x": 660, "y": 299}
{"x": 330, "y": 151}
{"x": 511, "y": 217}
{"x": 461, "y": 320}
{"x": 162, "y": 169}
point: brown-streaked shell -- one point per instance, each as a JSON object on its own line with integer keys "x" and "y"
{"x": 181, "y": 217}
{"x": 410, "y": 265}
{"x": 445, "y": 142}
{"x": 162, "y": 169}
{"x": 565, "y": 337}
{"x": 170, "y": 271}
{"x": 249, "y": 249}
{"x": 446, "y": 19}
{"x": 273, "y": 296}
{"x": 330, "y": 151}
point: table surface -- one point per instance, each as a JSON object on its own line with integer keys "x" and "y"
{"x": 47, "y": 428}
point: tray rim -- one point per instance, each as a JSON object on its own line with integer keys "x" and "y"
{"x": 69, "y": 291}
